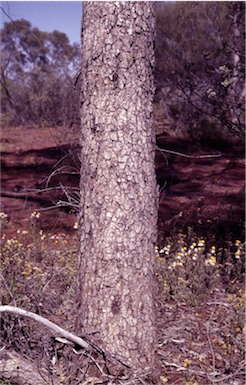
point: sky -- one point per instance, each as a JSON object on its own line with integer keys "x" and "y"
{"x": 64, "y": 16}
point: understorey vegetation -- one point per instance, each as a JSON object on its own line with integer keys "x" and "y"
{"x": 200, "y": 305}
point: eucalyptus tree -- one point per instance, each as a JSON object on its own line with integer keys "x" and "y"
{"x": 37, "y": 75}
{"x": 118, "y": 213}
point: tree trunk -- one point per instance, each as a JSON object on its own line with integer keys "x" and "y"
{"x": 118, "y": 183}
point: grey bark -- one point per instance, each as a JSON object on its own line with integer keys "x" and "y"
{"x": 118, "y": 184}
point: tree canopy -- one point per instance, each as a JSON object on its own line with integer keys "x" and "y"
{"x": 200, "y": 70}
{"x": 37, "y": 75}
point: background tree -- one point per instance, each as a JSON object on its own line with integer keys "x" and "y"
{"x": 118, "y": 184}
{"x": 200, "y": 66}
{"x": 200, "y": 71}
{"x": 37, "y": 76}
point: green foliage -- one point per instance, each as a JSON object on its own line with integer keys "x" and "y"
{"x": 38, "y": 72}
{"x": 200, "y": 64}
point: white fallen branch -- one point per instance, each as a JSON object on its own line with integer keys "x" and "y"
{"x": 188, "y": 156}
{"x": 51, "y": 325}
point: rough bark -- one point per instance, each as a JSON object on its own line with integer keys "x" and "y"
{"x": 118, "y": 183}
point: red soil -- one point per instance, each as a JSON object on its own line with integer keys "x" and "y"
{"x": 205, "y": 193}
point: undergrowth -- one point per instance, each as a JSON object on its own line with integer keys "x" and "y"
{"x": 188, "y": 269}
{"x": 38, "y": 273}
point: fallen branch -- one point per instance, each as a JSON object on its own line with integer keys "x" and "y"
{"x": 188, "y": 156}
{"x": 51, "y": 325}
{"x": 70, "y": 337}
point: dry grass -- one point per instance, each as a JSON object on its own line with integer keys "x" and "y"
{"x": 200, "y": 308}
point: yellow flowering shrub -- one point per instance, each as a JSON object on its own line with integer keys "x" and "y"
{"x": 34, "y": 269}
{"x": 188, "y": 268}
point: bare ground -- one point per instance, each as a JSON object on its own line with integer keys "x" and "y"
{"x": 207, "y": 193}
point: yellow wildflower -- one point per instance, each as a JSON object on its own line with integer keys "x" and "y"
{"x": 187, "y": 362}
{"x": 35, "y": 215}
{"x": 213, "y": 250}
{"x": 237, "y": 254}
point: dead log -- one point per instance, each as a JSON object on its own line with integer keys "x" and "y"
{"x": 16, "y": 369}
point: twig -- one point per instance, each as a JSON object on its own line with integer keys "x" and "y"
{"x": 189, "y": 156}
{"x": 48, "y": 282}
{"x": 16, "y": 22}
{"x": 72, "y": 199}
{"x": 219, "y": 303}
{"x": 97, "y": 364}
{"x": 59, "y": 171}
{"x": 51, "y": 325}
{"x": 197, "y": 372}
{"x": 7, "y": 287}
{"x": 164, "y": 156}
{"x": 210, "y": 343}
{"x": 2, "y": 9}
{"x": 230, "y": 375}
